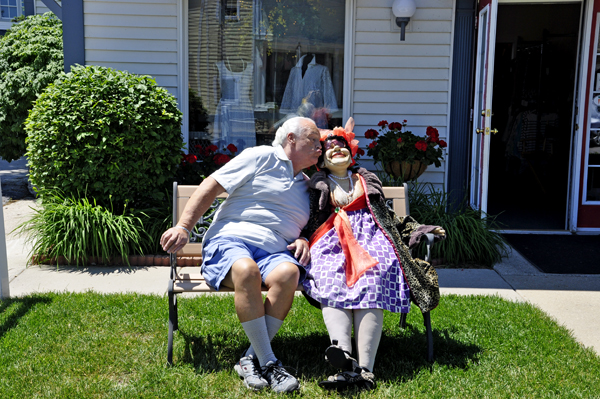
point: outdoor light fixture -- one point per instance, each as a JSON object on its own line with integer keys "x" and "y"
{"x": 403, "y": 10}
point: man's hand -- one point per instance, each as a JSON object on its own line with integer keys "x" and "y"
{"x": 174, "y": 239}
{"x": 301, "y": 251}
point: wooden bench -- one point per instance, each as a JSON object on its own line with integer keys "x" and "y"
{"x": 189, "y": 279}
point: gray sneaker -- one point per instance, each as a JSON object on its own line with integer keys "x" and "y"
{"x": 281, "y": 381}
{"x": 249, "y": 371}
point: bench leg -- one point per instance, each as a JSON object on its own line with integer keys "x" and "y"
{"x": 403, "y": 320}
{"x": 173, "y": 325}
{"x": 429, "y": 332}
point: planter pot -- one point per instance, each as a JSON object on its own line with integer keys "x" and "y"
{"x": 134, "y": 260}
{"x": 408, "y": 171}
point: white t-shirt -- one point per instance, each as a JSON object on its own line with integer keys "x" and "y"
{"x": 267, "y": 205}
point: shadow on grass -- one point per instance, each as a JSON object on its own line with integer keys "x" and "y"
{"x": 401, "y": 356}
{"x": 13, "y": 309}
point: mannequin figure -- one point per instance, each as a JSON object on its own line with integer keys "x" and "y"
{"x": 360, "y": 262}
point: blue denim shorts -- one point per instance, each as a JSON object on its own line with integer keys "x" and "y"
{"x": 220, "y": 253}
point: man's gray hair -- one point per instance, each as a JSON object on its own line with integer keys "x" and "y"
{"x": 292, "y": 125}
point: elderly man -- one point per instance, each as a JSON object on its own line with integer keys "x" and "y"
{"x": 250, "y": 240}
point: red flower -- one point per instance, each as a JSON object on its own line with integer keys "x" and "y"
{"x": 404, "y": 121}
{"x": 399, "y": 140}
{"x": 221, "y": 159}
{"x": 232, "y": 148}
{"x": 443, "y": 144}
{"x": 191, "y": 158}
{"x": 371, "y": 134}
{"x": 372, "y": 145}
{"x": 382, "y": 123}
{"x": 360, "y": 151}
{"x": 211, "y": 148}
{"x": 395, "y": 126}
{"x": 421, "y": 145}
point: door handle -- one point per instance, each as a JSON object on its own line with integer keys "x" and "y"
{"x": 494, "y": 131}
{"x": 478, "y": 131}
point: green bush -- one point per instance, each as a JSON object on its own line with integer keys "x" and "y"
{"x": 470, "y": 238}
{"x": 110, "y": 134}
{"x": 31, "y": 57}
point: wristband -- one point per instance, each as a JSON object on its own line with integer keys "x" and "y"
{"x": 183, "y": 228}
{"x": 304, "y": 238}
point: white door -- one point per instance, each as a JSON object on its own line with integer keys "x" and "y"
{"x": 482, "y": 108}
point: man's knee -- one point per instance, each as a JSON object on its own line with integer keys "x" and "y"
{"x": 285, "y": 274}
{"x": 245, "y": 271}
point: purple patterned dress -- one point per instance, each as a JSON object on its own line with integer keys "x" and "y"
{"x": 380, "y": 287}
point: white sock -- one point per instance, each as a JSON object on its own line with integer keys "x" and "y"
{"x": 368, "y": 324}
{"x": 339, "y": 326}
{"x": 273, "y": 326}
{"x": 256, "y": 331}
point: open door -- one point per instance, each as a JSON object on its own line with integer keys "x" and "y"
{"x": 482, "y": 108}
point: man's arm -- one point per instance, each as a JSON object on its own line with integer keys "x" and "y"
{"x": 175, "y": 238}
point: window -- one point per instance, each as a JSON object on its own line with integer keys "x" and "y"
{"x": 253, "y": 64}
{"x": 592, "y": 156}
{"x": 10, "y": 9}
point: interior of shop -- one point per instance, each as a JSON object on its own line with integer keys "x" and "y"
{"x": 534, "y": 86}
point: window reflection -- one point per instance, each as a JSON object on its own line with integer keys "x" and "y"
{"x": 255, "y": 63}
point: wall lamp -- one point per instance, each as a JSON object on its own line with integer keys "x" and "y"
{"x": 403, "y": 10}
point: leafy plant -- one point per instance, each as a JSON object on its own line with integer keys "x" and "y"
{"x": 31, "y": 57}
{"x": 401, "y": 145}
{"x": 111, "y": 134}
{"x": 78, "y": 228}
{"x": 470, "y": 235}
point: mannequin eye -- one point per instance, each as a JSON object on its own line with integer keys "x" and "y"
{"x": 332, "y": 143}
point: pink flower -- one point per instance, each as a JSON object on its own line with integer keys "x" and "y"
{"x": 421, "y": 145}
{"x": 371, "y": 134}
{"x": 382, "y": 123}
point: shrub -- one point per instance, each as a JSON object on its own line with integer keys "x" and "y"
{"x": 110, "y": 134}
{"x": 31, "y": 57}
{"x": 76, "y": 228}
{"x": 470, "y": 238}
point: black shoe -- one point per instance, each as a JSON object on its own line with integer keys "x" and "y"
{"x": 340, "y": 359}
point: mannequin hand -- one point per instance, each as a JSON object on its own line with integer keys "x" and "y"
{"x": 439, "y": 232}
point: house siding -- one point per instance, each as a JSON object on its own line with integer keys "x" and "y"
{"x": 410, "y": 80}
{"x": 139, "y": 36}
{"x": 40, "y": 7}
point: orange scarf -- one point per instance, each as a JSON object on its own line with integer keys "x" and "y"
{"x": 358, "y": 259}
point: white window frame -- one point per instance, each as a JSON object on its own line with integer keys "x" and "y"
{"x": 5, "y": 23}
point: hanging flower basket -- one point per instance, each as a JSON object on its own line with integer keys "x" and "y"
{"x": 408, "y": 171}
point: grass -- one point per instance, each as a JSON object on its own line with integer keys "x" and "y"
{"x": 114, "y": 346}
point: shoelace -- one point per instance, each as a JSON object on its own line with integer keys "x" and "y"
{"x": 279, "y": 372}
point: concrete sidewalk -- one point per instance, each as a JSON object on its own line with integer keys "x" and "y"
{"x": 572, "y": 300}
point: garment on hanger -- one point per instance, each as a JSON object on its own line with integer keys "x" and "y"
{"x": 316, "y": 82}
{"x": 234, "y": 119}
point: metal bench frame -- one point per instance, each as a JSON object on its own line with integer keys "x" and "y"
{"x": 189, "y": 279}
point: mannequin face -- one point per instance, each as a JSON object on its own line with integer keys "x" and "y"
{"x": 337, "y": 159}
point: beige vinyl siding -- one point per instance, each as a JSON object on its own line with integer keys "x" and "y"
{"x": 139, "y": 36}
{"x": 396, "y": 80}
{"x": 40, "y": 7}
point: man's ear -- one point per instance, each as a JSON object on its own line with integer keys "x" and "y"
{"x": 291, "y": 137}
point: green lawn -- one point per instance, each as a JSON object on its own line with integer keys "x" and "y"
{"x": 115, "y": 346}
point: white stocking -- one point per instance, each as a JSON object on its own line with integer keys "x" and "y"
{"x": 339, "y": 326}
{"x": 368, "y": 324}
